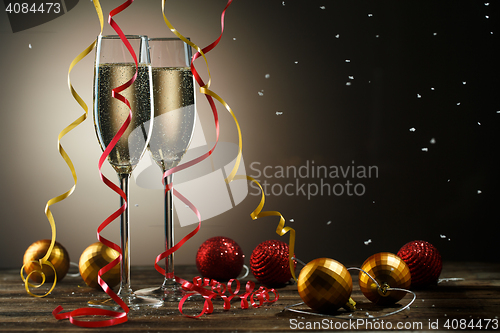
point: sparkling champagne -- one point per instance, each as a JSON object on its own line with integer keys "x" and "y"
{"x": 174, "y": 113}
{"x": 112, "y": 113}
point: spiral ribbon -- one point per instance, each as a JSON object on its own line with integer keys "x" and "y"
{"x": 257, "y": 297}
{"x": 62, "y": 152}
{"x": 116, "y": 317}
{"x": 210, "y": 95}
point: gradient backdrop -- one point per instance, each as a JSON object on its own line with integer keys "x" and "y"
{"x": 409, "y": 87}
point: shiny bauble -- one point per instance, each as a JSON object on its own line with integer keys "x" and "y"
{"x": 270, "y": 264}
{"x": 390, "y": 271}
{"x": 324, "y": 285}
{"x": 95, "y": 257}
{"x": 424, "y": 262}
{"x": 59, "y": 258}
{"x": 220, "y": 258}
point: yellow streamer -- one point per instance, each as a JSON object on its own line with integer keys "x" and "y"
{"x": 62, "y": 152}
{"x": 257, "y": 213}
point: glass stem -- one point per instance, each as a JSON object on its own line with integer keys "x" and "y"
{"x": 125, "y": 288}
{"x": 169, "y": 233}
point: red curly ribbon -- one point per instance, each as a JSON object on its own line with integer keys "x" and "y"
{"x": 116, "y": 317}
{"x": 196, "y": 160}
{"x": 218, "y": 289}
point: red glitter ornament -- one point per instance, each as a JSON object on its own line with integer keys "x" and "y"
{"x": 269, "y": 263}
{"x": 424, "y": 262}
{"x": 220, "y": 258}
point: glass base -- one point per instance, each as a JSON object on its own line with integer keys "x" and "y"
{"x": 133, "y": 301}
{"x": 170, "y": 291}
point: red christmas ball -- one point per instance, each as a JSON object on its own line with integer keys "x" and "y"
{"x": 269, "y": 263}
{"x": 220, "y": 258}
{"x": 424, "y": 262}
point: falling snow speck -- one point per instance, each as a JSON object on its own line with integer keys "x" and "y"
{"x": 479, "y": 123}
{"x": 337, "y": 35}
{"x": 433, "y": 141}
{"x": 486, "y": 3}
{"x": 29, "y": 46}
{"x": 479, "y": 192}
{"x": 329, "y": 222}
{"x": 419, "y": 96}
{"x": 322, "y": 7}
{"x": 435, "y": 34}
{"x": 348, "y": 83}
{"x": 425, "y": 149}
{"x": 370, "y": 15}
{"x": 348, "y": 60}
{"x": 367, "y": 242}
{"x": 412, "y": 129}
{"x": 292, "y": 220}
{"x": 442, "y": 236}
{"x": 296, "y": 62}
{"x": 464, "y": 82}
{"x": 234, "y": 38}
{"x": 351, "y": 77}
{"x": 267, "y": 76}
{"x": 137, "y": 205}
{"x": 432, "y": 88}
{"x": 487, "y": 16}
{"x": 283, "y": 3}
{"x": 261, "y": 93}
{"x": 279, "y": 113}
{"x": 458, "y": 103}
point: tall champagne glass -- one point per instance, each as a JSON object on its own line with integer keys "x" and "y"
{"x": 173, "y": 126}
{"x": 114, "y": 66}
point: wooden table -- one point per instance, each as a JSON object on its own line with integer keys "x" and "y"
{"x": 472, "y": 297}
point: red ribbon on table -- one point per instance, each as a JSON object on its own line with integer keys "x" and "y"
{"x": 117, "y": 317}
{"x": 218, "y": 289}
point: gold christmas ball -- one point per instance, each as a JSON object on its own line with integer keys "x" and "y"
{"x": 324, "y": 285}
{"x": 95, "y": 257}
{"x": 390, "y": 271}
{"x": 59, "y": 258}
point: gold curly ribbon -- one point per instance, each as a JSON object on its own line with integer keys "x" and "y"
{"x": 205, "y": 89}
{"x": 62, "y": 152}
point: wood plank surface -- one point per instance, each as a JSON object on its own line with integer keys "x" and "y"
{"x": 471, "y": 297}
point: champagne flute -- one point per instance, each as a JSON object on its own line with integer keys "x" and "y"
{"x": 173, "y": 127}
{"x": 114, "y": 66}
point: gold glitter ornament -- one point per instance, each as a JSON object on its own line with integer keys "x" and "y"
{"x": 59, "y": 258}
{"x": 390, "y": 271}
{"x": 95, "y": 257}
{"x": 324, "y": 285}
